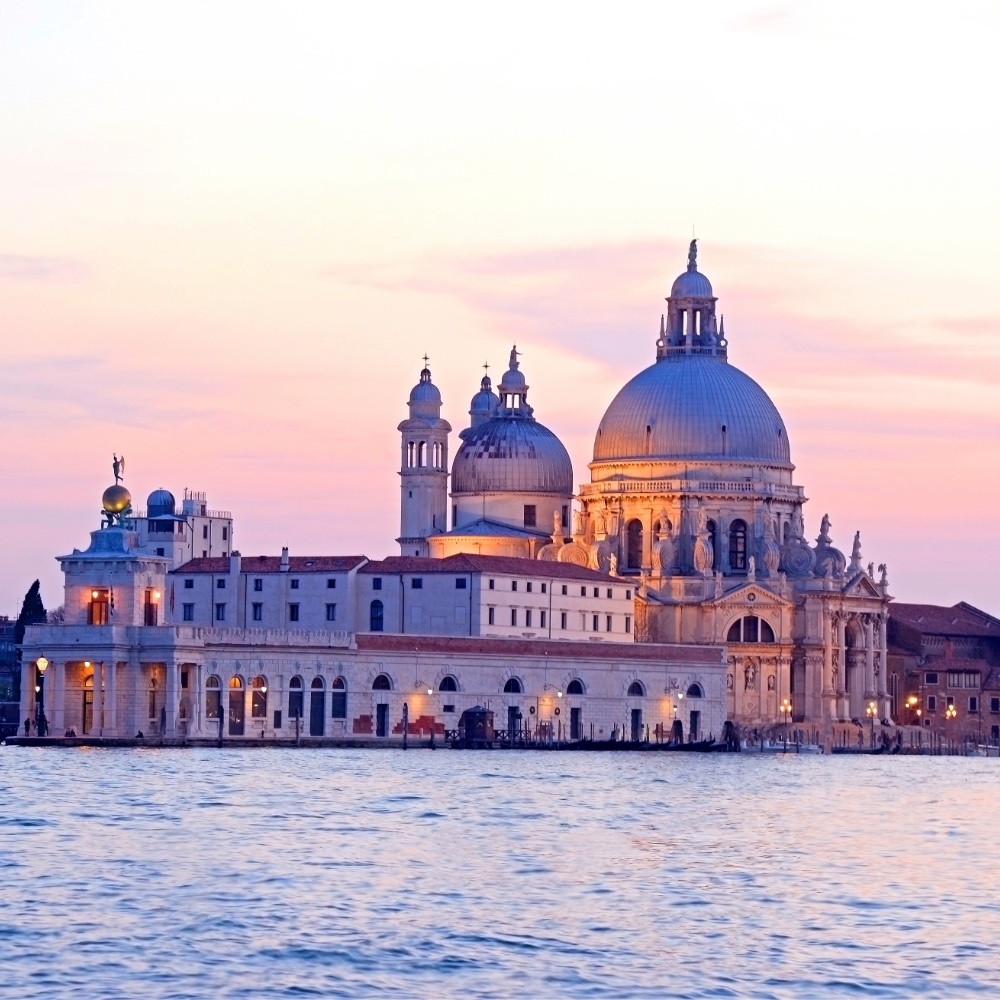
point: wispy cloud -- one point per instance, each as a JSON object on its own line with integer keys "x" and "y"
{"x": 25, "y": 267}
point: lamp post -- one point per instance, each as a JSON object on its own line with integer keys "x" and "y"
{"x": 41, "y": 723}
{"x": 871, "y": 711}
{"x": 785, "y": 709}
{"x": 911, "y": 703}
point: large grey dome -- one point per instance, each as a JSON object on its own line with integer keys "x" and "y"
{"x": 689, "y": 406}
{"x": 512, "y": 455}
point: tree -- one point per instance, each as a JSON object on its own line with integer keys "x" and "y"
{"x": 32, "y": 613}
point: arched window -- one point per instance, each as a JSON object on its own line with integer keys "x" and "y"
{"x": 713, "y": 535}
{"x": 513, "y": 686}
{"x": 376, "y": 617}
{"x": 634, "y": 544}
{"x": 338, "y": 697}
{"x": 234, "y": 682}
{"x": 295, "y": 698}
{"x": 695, "y": 691}
{"x": 787, "y": 533}
{"x": 382, "y": 683}
{"x": 317, "y": 696}
{"x": 738, "y": 546}
{"x": 237, "y": 705}
{"x": 574, "y": 687}
{"x": 213, "y": 697}
{"x": 422, "y": 454}
{"x": 448, "y": 684}
{"x": 317, "y": 684}
{"x": 258, "y": 698}
{"x": 409, "y": 455}
{"x": 750, "y": 629}
{"x": 636, "y": 690}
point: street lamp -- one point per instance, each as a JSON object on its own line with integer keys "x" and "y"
{"x": 871, "y": 711}
{"x": 950, "y": 712}
{"x": 785, "y": 708}
{"x": 911, "y": 704}
{"x": 41, "y": 728}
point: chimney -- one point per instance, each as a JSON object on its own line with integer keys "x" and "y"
{"x": 234, "y": 564}
{"x": 284, "y": 559}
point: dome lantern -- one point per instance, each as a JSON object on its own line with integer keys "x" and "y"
{"x": 690, "y": 326}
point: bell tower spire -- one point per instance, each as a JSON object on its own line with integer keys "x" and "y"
{"x": 423, "y": 468}
{"x": 691, "y": 326}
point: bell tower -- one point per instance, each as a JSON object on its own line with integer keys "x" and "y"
{"x": 423, "y": 468}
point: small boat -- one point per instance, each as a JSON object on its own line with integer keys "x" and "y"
{"x": 769, "y": 746}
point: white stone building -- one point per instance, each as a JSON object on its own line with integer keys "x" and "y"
{"x": 684, "y": 570}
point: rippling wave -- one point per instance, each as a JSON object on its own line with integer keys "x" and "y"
{"x": 325, "y": 873}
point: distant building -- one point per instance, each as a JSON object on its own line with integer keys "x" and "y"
{"x": 944, "y": 669}
{"x": 10, "y": 686}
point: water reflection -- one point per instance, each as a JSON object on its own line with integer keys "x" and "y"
{"x": 262, "y": 873}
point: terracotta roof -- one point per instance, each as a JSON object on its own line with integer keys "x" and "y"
{"x": 463, "y": 562}
{"x": 943, "y": 664}
{"x": 624, "y": 652}
{"x": 272, "y": 564}
{"x": 992, "y": 682}
{"x": 934, "y": 619}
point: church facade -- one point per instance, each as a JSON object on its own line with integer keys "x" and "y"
{"x": 680, "y": 570}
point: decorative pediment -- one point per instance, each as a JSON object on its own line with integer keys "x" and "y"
{"x": 861, "y": 586}
{"x": 749, "y": 596}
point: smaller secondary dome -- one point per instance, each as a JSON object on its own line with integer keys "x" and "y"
{"x": 511, "y": 455}
{"x": 425, "y": 391}
{"x": 485, "y": 403}
{"x": 116, "y": 499}
{"x": 160, "y": 502}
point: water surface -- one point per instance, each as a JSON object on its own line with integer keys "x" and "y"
{"x": 352, "y": 873}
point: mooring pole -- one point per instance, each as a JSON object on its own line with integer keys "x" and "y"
{"x": 406, "y": 722}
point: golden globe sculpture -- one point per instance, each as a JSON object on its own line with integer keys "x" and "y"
{"x": 116, "y": 499}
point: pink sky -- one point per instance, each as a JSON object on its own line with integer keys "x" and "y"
{"x": 229, "y": 236}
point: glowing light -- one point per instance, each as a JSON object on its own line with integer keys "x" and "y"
{"x": 86, "y": 663}
{"x": 430, "y": 690}
{"x": 94, "y": 594}
{"x": 41, "y": 663}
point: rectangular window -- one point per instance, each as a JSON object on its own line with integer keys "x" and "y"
{"x": 931, "y": 703}
{"x": 492, "y": 584}
{"x": 150, "y": 610}
{"x": 597, "y": 591}
{"x": 528, "y": 586}
{"x": 454, "y": 516}
{"x": 376, "y": 583}
{"x": 565, "y": 518}
{"x": 220, "y": 584}
{"x": 189, "y": 584}
{"x": 973, "y": 704}
{"x": 184, "y": 680}
{"x": 530, "y": 514}
{"x": 541, "y": 619}
{"x": 995, "y": 704}
{"x": 204, "y": 553}
{"x": 513, "y": 616}
{"x": 293, "y": 612}
{"x": 950, "y": 699}
{"x": 187, "y": 612}
{"x": 609, "y": 592}
{"x": 596, "y": 619}
{"x": 204, "y": 531}
{"x": 417, "y": 583}
{"x": 527, "y": 618}
{"x": 258, "y": 612}
{"x": 628, "y": 595}
{"x": 220, "y": 612}
{"x": 448, "y": 708}
{"x": 565, "y": 590}
{"x": 461, "y": 583}
{"x": 931, "y": 678}
{"x": 583, "y": 591}
{"x": 607, "y": 623}
{"x": 331, "y": 612}
{"x": 628, "y": 624}
{"x": 295, "y": 584}
{"x": 491, "y": 616}
{"x": 331, "y": 584}
{"x": 562, "y": 619}
{"x": 338, "y": 701}
{"x": 513, "y": 584}
{"x": 225, "y": 534}
{"x": 545, "y": 588}
{"x": 258, "y": 585}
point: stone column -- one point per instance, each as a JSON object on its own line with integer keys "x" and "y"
{"x": 98, "y": 727}
{"x": 883, "y": 673}
{"x": 172, "y": 695}
{"x": 842, "y": 713}
{"x": 58, "y": 671}
{"x": 111, "y": 701}
{"x": 27, "y": 693}
{"x": 869, "y": 658}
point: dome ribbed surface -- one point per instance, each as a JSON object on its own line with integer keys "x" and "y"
{"x": 160, "y": 502}
{"x": 691, "y": 285}
{"x": 685, "y": 401}
{"x": 516, "y": 455}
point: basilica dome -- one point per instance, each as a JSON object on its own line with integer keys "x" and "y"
{"x": 510, "y": 451}
{"x": 692, "y": 407}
